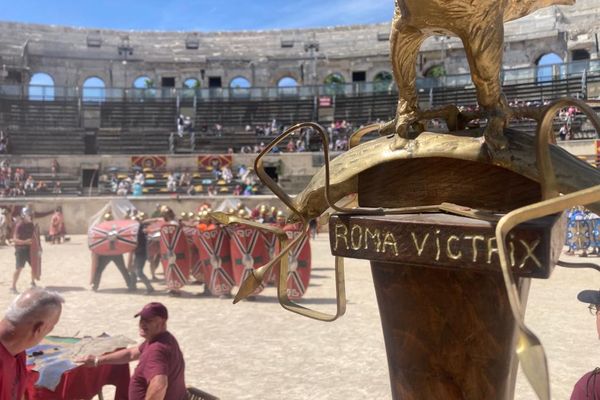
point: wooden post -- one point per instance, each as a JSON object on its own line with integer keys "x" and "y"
{"x": 447, "y": 324}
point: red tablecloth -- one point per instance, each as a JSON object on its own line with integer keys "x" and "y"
{"x": 82, "y": 383}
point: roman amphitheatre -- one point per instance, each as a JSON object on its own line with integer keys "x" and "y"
{"x": 96, "y": 116}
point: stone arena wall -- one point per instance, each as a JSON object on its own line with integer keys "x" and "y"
{"x": 296, "y": 170}
{"x": 71, "y": 55}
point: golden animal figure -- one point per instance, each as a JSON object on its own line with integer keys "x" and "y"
{"x": 480, "y": 26}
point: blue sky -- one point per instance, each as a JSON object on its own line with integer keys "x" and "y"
{"x": 198, "y": 15}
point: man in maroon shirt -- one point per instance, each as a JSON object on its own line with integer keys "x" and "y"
{"x": 588, "y": 386}
{"x": 160, "y": 372}
{"x": 30, "y": 317}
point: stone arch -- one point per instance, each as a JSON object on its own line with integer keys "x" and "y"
{"x": 240, "y": 82}
{"x": 143, "y": 82}
{"x": 546, "y": 66}
{"x": 335, "y": 78}
{"x": 334, "y": 83}
{"x": 287, "y": 82}
{"x": 93, "y": 89}
{"x": 383, "y": 81}
{"x": 435, "y": 71}
{"x": 191, "y": 83}
{"x": 41, "y": 86}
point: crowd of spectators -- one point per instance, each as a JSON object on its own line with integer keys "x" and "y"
{"x": 16, "y": 182}
{"x": 216, "y": 180}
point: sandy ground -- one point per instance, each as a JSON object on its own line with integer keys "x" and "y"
{"x": 257, "y": 350}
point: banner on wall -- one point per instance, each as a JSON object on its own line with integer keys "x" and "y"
{"x": 215, "y": 161}
{"x": 152, "y": 162}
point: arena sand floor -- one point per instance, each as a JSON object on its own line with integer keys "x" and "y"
{"x": 257, "y": 350}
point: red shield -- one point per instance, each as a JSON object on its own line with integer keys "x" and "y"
{"x": 299, "y": 264}
{"x": 111, "y": 238}
{"x": 248, "y": 252}
{"x": 153, "y": 235}
{"x": 191, "y": 235}
{"x": 272, "y": 247}
{"x": 35, "y": 254}
{"x": 174, "y": 255}
{"x": 216, "y": 260}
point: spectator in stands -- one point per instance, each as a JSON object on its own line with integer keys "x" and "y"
{"x": 248, "y": 190}
{"x": 19, "y": 174}
{"x": 187, "y": 124}
{"x": 226, "y": 174}
{"x": 139, "y": 178}
{"x": 29, "y": 183}
{"x": 185, "y": 181}
{"x": 248, "y": 128}
{"x": 171, "y": 183}
{"x": 212, "y": 190}
{"x": 562, "y": 133}
{"x": 291, "y": 147}
{"x": 55, "y": 168}
{"x": 123, "y": 188}
{"x": 57, "y": 188}
{"x": 230, "y": 150}
{"x": 218, "y": 130}
{"x": 41, "y": 187}
{"x": 180, "y": 123}
{"x": 137, "y": 189}
{"x": 237, "y": 190}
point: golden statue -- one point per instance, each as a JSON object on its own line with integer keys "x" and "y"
{"x": 479, "y": 25}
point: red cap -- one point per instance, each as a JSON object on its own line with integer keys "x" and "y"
{"x": 153, "y": 309}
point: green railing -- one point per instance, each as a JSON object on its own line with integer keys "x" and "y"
{"x": 539, "y": 74}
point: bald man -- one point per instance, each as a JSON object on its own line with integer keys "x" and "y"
{"x": 30, "y": 317}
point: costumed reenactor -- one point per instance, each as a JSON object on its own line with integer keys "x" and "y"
{"x": 23, "y": 237}
{"x": 99, "y": 263}
{"x": 280, "y": 219}
{"x": 140, "y": 254}
{"x": 594, "y": 221}
{"x": 156, "y": 212}
{"x": 579, "y": 232}
{"x": 174, "y": 251}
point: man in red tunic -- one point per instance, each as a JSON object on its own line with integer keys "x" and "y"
{"x": 30, "y": 317}
{"x": 161, "y": 368}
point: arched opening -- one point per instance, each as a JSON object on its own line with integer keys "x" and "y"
{"x": 546, "y": 65}
{"x": 435, "y": 71}
{"x": 191, "y": 83}
{"x": 239, "y": 87}
{"x": 93, "y": 89}
{"x": 143, "y": 82}
{"x": 239, "y": 82}
{"x": 41, "y": 87}
{"x": 382, "y": 81}
{"x": 334, "y": 84}
{"x": 190, "y": 86}
{"x": 287, "y": 82}
{"x": 287, "y": 85}
{"x": 144, "y": 87}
